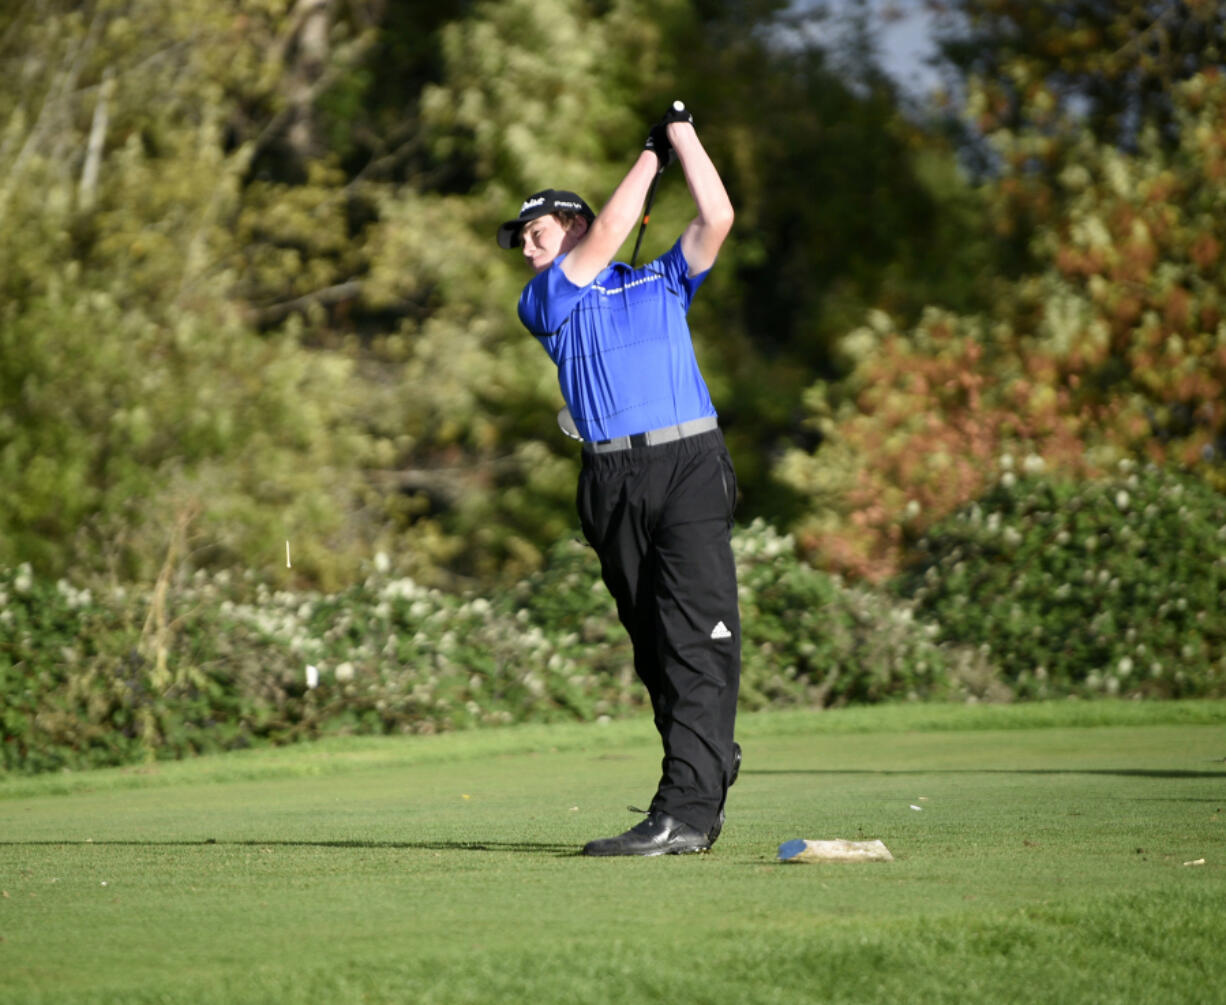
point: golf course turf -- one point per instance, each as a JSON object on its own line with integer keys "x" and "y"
{"x": 1050, "y": 853}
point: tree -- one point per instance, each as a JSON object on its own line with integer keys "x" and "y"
{"x": 131, "y": 391}
{"x": 311, "y": 331}
{"x": 1114, "y": 348}
{"x": 1112, "y": 66}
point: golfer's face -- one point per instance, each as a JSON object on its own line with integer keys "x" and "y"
{"x": 544, "y": 239}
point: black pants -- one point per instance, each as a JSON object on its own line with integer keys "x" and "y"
{"x": 660, "y": 518}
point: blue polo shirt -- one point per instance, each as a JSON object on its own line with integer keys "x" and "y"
{"x": 621, "y": 344}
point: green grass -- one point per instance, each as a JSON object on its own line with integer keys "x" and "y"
{"x": 1045, "y": 864}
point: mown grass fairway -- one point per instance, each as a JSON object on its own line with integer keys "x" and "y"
{"x": 1046, "y": 862}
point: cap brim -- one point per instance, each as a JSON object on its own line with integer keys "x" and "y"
{"x": 509, "y": 234}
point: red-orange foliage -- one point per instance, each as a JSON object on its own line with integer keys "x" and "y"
{"x": 1116, "y": 349}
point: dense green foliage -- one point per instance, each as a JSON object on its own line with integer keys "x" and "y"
{"x": 268, "y": 305}
{"x": 1114, "y": 586}
{"x": 1044, "y": 587}
{"x": 135, "y": 395}
{"x": 104, "y": 675}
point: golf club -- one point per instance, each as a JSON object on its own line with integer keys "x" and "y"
{"x": 651, "y": 197}
{"x": 566, "y": 423}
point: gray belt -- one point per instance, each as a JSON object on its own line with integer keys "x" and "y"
{"x": 654, "y": 437}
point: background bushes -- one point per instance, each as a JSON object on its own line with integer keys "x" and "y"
{"x": 1042, "y": 588}
{"x": 1112, "y": 586}
{"x": 210, "y": 661}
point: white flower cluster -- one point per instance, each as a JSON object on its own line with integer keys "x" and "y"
{"x": 403, "y": 589}
{"x": 761, "y": 541}
{"x": 76, "y": 599}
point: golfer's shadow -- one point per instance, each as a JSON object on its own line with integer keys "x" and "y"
{"x": 1121, "y": 772}
{"x": 519, "y": 847}
{"x": 527, "y": 847}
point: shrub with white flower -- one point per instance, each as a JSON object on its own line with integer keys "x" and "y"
{"x": 1007, "y": 594}
{"x": 1085, "y": 576}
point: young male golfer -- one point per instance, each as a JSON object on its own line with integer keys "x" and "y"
{"x": 657, "y": 488}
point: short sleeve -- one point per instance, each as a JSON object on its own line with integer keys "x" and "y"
{"x": 548, "y": 299}
{"x": 673, "y": 266}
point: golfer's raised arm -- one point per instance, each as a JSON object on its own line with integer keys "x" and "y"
{"x": 613, "y": 223}
{"x": 706, "y": 233}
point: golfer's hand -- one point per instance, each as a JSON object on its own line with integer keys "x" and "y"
{"x": 675, "y": 119}
{"x": 677, "y": 112}
{"x": 658, "y": 144}
{"x": 658, "y": 141}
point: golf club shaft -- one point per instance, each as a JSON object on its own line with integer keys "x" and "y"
{"x": 651, "y": 197}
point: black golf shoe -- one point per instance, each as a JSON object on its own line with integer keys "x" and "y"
{"x": 659, "y": 834}
{"x": 718, "y": 826}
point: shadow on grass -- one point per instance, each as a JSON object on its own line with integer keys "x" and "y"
{"x": 536, "y": 847}
{"x": 1121, "y": 772}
